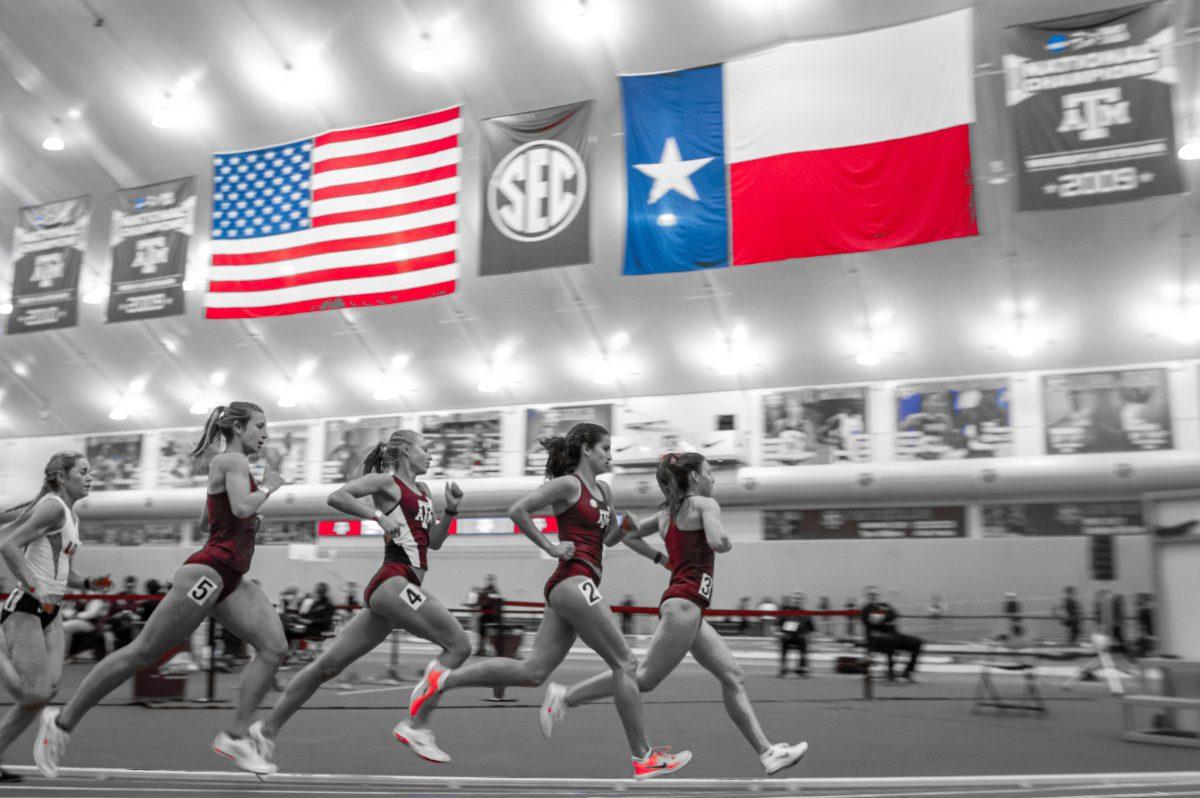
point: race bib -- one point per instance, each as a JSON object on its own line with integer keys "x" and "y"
{"x": 706, "y": 586}
{"x": 590, "y": 592}
{"x": 412, "y": 596}
{"x": 202, "y": 590}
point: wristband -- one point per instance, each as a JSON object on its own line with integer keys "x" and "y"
{"x": 658, "y": 558}
{"x": 450, "y": 512}
{"x": 378, "y": 514}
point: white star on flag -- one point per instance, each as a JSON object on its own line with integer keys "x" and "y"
{"x": 671, "y": 173}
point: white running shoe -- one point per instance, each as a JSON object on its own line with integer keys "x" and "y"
{"x": 430, "y": 685}
{"x": 659, "y": 762}
{"x": 266, "y": 746}
{"x": 244, "y": 753}
{"x": 782, "y": 755}
{"x": 421, "y": 741}
{"x": 554, "y": 708}
{"x": 51, "y": 744}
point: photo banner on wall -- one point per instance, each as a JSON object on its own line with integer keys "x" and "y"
{"x": 1107, "y": 411}
{"x": 956, "y": 419}
{"x": 865, "y": 522}
{"x": 462, "y": 444}
{"x": 284, "y": 453}
{"x": 536, "y": 196}
{"x": 116, "y": 461}
{"x": 1090, "y": 102}
{"x": 815, "y": 425}
{"x": 546, "y": 422}
{"x": 347, "y": 442}
{"x": 49, "y": 243}
{"x": 151, "y": 228}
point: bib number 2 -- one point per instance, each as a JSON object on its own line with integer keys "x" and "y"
{"x": 706, "y": 586}
{"x": 202, "y": 590}
{"x": 412, "y": 596}
{"x": 590, "y": 592}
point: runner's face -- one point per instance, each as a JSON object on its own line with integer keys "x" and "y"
{"x": 254, "y": 435}
{"x": 600, "y": 455}
{"x": 79, "y": 479}
{"x": 418, "y": 457}
{"x": 704, "y": 479}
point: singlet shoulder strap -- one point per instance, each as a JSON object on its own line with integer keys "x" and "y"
{"x": 400, "y": 486}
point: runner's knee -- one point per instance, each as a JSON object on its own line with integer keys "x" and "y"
{"x": 731, "y": 676}
{"x": 457, "y": 652}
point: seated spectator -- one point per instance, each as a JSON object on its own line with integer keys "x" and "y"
{"x": 793, "y": 634}
{"x": 83, "y": 628}
{"x": 883, "y": 635}
{"x": 122, "y": 615}
{"x": 313, "y": 616}
{"x": 491, "y": 611}
{"x": 153, "y": 588}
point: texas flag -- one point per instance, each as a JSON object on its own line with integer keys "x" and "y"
{"x": 843, "y": 144}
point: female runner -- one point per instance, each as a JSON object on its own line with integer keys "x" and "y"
{"x": 574, "y": 605}
{"x": 39, "y": 551}
{"x": 209, "y": 583}
{"x": 393, "y": 599}
{"x": 691, "y": 524}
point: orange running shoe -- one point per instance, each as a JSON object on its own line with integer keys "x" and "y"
{"x": 659, "y": 762}
{"x": 431, "y": 683}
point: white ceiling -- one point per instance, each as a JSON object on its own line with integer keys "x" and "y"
{"x": 1095, "y": 275}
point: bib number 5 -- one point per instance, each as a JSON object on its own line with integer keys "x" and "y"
{"x": 590, "y": 592}
{"x": 202, "y": 590}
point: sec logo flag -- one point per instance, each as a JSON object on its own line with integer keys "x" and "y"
{"x": 536, "y": 189}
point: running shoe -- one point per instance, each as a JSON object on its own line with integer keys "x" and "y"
{"x": 421, "y": 741}
{"x": 51, "y": 744}
{"x": 782, "y": 755}
{"x": 431, "y": 682}
{"x": 659, "y": 762}
{"x": 266, "y": 746}
{"x": 244, "y": 753}
{"x": 554, "y": 708}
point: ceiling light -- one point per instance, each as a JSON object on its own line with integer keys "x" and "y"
{"x": 138, "y": 385}
{"x": 169, "y": 344}
{"x": 386, "y": 389}
{"x": 424, "y": 59}
{"x": 75, "y": 113}
{"x": 20, "y": 369}
{"x": 399, "y": 361}
{"x": 165, "y": 117}
{"x": 1190, "y": 151}
{"x": 119, "y": 413}
{"x": 306, "y": 367}
{"x": 200, "y": 407}
{"x": 1021, "y": 344}
{"x": 217, "y": 378}
{"x": 93, "y": 296}
{"x": 286, "y": 400}
{"x": 488, "y": 382}
{"x": 867, "y": 357}
{"x": 6, "y": 308}
{"x": 618, "y": 340}
{"x": 667, "y": 220}
{"x": 1186, "y": 327}
{"x": 54, "y": 143}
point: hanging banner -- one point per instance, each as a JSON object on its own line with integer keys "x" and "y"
{"x": 550, "y": 421}
{"x": 1107, "y": 411}
{"x": 815, "y": 425}
{"x": 347, "y": 442}
{"x": 535, "y": 198}
{"x": 1090, "y": 103}
{"x": 48, "y": 248}
{"x": 949, "y": 420}
{"x": 865, "y": 522}
{"x": 151, "y": 228}
{"x": 462, "y": 444}
{"x": 1063, "y": 518}
{"x": 116, "y": 461}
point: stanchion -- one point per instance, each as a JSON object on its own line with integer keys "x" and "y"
{"x": 210, "y": 696}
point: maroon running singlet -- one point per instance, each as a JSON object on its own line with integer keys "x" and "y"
{"x": 584, "y": 524}
{"x": 691, "y": 560}
{"x": 230, "y": 544}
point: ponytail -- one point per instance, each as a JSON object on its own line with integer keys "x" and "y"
{"x": 383, "y": 456}
{"x": 52, "y": 478}
{"x": 672, "y": 475}
{"x": 565, "y": 451}
{"x": 221, "y": 424}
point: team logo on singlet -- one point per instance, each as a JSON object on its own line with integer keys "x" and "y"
{"x": 537, "y": 190}
{"x": 425, "y": 513}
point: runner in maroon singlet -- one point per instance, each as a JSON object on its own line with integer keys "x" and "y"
{"x": 690, "y": 522}
{"x": 574, "y": 606}
{"x": 393, "y": 598}
{"x": 209, "y": 583}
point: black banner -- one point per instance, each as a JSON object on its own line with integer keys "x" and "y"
{"x": 151, "y": 228}
{"x": 535, "y": 198}
{"x": 48, "y": 247}
{"x": 1107, "y": 411}
{"x": 865, "y": 522}
{"x": 1090, "y": 102}
{"x": 1063, "y": 518}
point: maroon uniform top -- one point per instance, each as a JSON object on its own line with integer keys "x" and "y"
{"x": 691, "y": 559}
{"x": 584, "y": 524}
{"x": 410, "y": 543}
{"x": 230, "y": 539}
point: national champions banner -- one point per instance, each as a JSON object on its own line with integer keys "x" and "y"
{"x": 536, "y": 192}
{"x": 1090, "y": 102}
{"x": 48, "y": 248}
{"x": 151, "y": 228}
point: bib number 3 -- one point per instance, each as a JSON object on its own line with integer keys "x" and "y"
{"x": 202, "y": 590}
{"x": 590, "y": 592}
{"x": 412, "y": 596}
{"x": 706, "y": 586}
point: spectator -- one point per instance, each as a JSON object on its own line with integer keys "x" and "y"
{"x": 153, "y": 588}
{"x": 824, "y": 604}
{"x": 767, "y": 621}
{"x": 122, "y": 615}
{"x": 794, "y": 633}
{"x": 627, "y": 617}
{"x": 1144, "y": 616}
{"x": 83, "y": 628}
{"x": 491, "y": 613}
{"x": 1069, "y": 613}
{"x": 1012, "y": 611}
{"x": 851, "y": 609}
{"x": 883, "y": 635}
{"x": 313, "y": 616}
{"x": 1116, "y": 624}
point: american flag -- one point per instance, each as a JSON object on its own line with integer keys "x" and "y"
{"x": 362, "y": 216}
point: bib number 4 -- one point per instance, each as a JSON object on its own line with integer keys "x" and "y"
{"x": 412, "y": 596}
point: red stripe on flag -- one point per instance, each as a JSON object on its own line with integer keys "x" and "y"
{"x": 385, "y": 184}
{"x": 337, "y": 245}
{"x": 332, "y": 303}
{"x": 385, "y": 156}
{"x": 339, "y": 273}
{"x": 368, "y": 214}
{"x": 851, "y": 199}
{"x": 387, "y": 128}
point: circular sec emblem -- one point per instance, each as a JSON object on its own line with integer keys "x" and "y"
{"x": 537, "y": 190}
